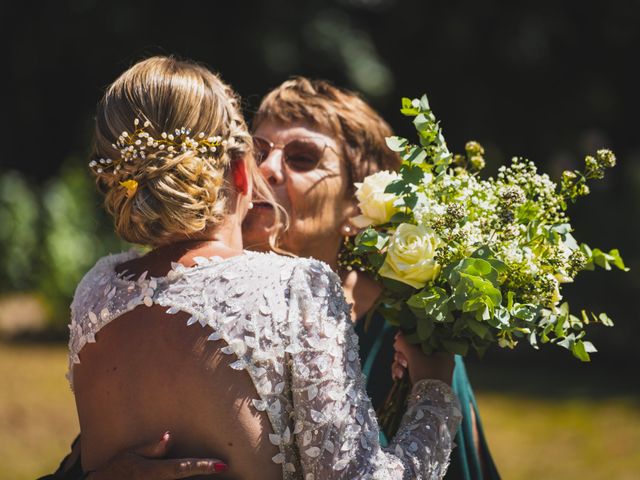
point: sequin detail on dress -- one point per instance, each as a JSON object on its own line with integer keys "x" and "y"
{"x": 287, "y": 324}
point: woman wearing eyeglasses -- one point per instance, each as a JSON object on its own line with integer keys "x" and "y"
{"x": 313, "y": 141}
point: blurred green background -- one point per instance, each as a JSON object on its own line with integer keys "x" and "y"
{"x": 548, "y": 80}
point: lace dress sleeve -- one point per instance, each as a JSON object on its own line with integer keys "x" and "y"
{"x": 335, "y": 426}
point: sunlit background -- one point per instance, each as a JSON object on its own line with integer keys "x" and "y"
{"x": 548, "y": 80}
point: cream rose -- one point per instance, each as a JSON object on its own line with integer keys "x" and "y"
{"x": 376, "y": 206}
{"x": 410, "y": 256}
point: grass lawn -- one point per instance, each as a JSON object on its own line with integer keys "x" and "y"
{"x": 37, "y": 413}
{"x": 532, "y": 436}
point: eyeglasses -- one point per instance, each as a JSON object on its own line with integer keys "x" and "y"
{"x": 300, "y": 154}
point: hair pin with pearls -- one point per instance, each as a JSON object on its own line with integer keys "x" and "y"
{"x": 138, "y": 144}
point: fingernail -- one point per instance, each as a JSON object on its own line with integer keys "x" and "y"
{"x": 404, "y": 363}
{"x": 165, "y": 436}
{"x": 220, "y": 467}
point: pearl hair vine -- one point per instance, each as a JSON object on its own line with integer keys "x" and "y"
{"x": 139, "y": 144}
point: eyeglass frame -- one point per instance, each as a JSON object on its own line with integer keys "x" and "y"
{"x": 282, "y": 146}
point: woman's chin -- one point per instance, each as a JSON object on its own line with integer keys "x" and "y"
{"x": 257, "y": 227}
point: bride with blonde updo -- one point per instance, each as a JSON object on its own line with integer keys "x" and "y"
{"x": 172, "y": 195}
{"x": 247, "y": 356}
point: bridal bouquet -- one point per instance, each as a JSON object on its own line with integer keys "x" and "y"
{"x": 468, "y": 262}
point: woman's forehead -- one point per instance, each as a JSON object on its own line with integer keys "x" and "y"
{"x": 277, "y": 131}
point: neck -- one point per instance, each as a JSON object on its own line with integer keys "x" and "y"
{"x": 361, "y": 291}
{"x": 226, "y": 237}
{"x": 325, "y": 250}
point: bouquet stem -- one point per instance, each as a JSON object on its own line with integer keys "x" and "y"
{"x": 392, "y": 410}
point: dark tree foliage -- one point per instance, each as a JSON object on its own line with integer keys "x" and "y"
{"x": 548, "y": 80}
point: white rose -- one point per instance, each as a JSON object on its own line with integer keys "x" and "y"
{"x": 410, "y": 256}
{"x": 376, "y": 206}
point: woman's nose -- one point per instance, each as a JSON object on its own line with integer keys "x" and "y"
{"x": 272, "y": 168}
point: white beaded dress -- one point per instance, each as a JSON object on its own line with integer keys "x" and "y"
{"x": 287, "y": 324}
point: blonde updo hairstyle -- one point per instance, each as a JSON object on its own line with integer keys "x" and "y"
{"x": 181, "y": 196}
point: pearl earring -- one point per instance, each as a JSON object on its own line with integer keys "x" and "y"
{"x": 250, "y": 205}
{"x": 346, "y": 229}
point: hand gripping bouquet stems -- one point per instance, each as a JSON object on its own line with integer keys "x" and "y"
{"x": 468, "y": 262}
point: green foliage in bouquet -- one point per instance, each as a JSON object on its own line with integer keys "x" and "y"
{"x": 468, "y": 262}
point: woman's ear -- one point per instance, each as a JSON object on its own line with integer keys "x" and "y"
{"x": 240, "y": 177}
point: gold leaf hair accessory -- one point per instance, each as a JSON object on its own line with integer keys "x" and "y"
{"x": 137, "y": 145}
{"x": 131, "y": 186}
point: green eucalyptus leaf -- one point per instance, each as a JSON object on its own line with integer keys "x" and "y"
{"x": 398, "y": 187}
{"x": 397, "y": 144}
{"x": 416, "y": 156}
{"x": 483, "y": 252}
{"x": 412, "y": 174}
{"x": 408, "y": 108}
{"x": 401, "y": 217}
{"x": 600, "y": 259}
{"x": 579, "y": 351}
{"x": 368, "y": 237}
{"x": 585, "y": 317}
{"x": 561, "y": 228}
{"x": 421, "y": 122}
{"x": 459, "y": 346}
{"x": 481, "y": 349}
{"x": 376, "y": 259}
{"x": 502, "y": 314}
{"x": 424, "y": 103}
{"x": 411, "y": 200}
{"x": 510, "y": 297}
{"x": 567, "y": 342}
{"x": 425, "y": 328}
{"x": 575, "y": 323}
{"x": 474, "y": 267}
{"x": 478, "y": 328}
{"x": 397, "y": 288}
{"x": 605, "y": 320}
{"x": 419, "y": 312}
{"x": 616, "y": 259}
{"x": 390, "y": 314}
{"x": 524, "y": 312}
{"x": 584, "y": 248}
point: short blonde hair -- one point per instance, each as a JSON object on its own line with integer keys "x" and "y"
{"x": 360, "y": 130}
{"x": 181, "y": 195}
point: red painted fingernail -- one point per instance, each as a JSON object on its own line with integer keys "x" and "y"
{"x": 220, "y": 467}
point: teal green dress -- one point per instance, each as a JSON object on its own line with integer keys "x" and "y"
{"x": 376, "y": 355}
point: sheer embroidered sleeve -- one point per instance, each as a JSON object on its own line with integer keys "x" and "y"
{"x": 335, "y": 426}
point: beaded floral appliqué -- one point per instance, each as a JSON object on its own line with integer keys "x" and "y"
{"x": 287, "y": 324}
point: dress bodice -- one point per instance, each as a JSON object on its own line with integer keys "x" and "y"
{"x": 287, "y": 325}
